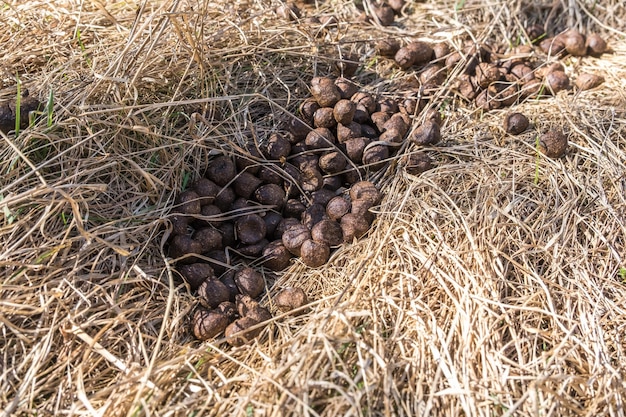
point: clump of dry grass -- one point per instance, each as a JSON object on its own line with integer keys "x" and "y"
{"x": 491, "y": 285}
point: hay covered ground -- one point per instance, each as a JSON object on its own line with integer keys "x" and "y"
{"x": 492, "y": 285}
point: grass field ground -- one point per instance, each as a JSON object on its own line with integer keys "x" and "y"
{"x": 491, "y": 285}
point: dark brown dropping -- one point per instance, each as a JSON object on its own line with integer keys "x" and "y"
{"x": 212, "y": 215}
{"x": 292, "y": 180}
{"x": 346, "y": 87}
{"x": 384, "y": 13}
{"x": 305, "y": 162}
{"x": 247, "y": 160}
{"x": 387, "y": 105}
{"x": 405, "y": 57}
{"x": 270, "y": 174}
{"x": 250, "y": 282}
{"x": 298, "y": 128}
{"x": 556, "y": 81}
{"x": 505, "y": 92}
{"x": 486, "y": 74}
{"x": 293, "y": 238}
{"x": 250, "y": 229}
{"x": 320, "y": 138}
{"x": 366, "y": 100}
{"x": 224, "y": 199}
{"x": 228, "y": 279}
{"x": 308, "y": 109}
{"x": 253, "y": 250}
{"x": 276, "y": 256}
{"x": 346, "y": 132}
{"x": 423, "y": 52}
{"x": 324, "y": 117}
{"x": 553, "y": 143}
{"x": 209, "y": 239}
{"x": 574, "y": 42}
{"x": 552, "y": 46}
{"x": 245, "y": 184}
{"x": 434, "y": 115}
{"x": 314, "y": 214}
{"x": 248, "y": 307}
{"x": 355, "y": 174}
{"x": 387, "y": 47}
{"x": 182, "y": 245}
{"x": 361, "y": 115}
{"x": 312, "y": 180}
{"x": 332, "y": 183}
{"x": 285, "y": 224}
{"x": 291, "y": 298}
{"x": 485, "y": 100}
{"x": 535, "y": 33}
{"x": 221, "y": 170}
{"x": 453, "y": 59}
{"x": 379, "y": 119}
{"x": 375, "y": 156}
{"x": 227, "y": 229}
{"x": 410, "y": 106}
{"x": 596, "y": 45}
{"x": 586, "y": 81}
{"x": 239, "y": 333}
{"x": 531, "y": 89}
{"x": 314, "y": 254}
{"x": 353, "y": 227}
{"x": 270, "y": 195}
{"x": 368, "y": 132}
{"x": 365, "y": 190}
{"x": 397, "y": 122}
{"x": 467, "y": 90}
{"x": 294, "y": 208}
{"x": 441, "y": 50}
{"x": 218, "y": 261}
{"x": 207, "y": 324}
{"x": 180, "y": 224}
{"x": 322, "y": 196}
{"x": 241, "y": 205}
{"x": 515, "y": 123}
{"x": 362, "y": 208}
{"x": 228, "y": 309}
{"x": 277, "y": 147}
{"x": 544, "y": 70}
{"x": 206, "y": 190}
{"x": 391, "y": 136}
{"x": 271, "y": 219}
{"x": 327, "y": 231}
{"x": 195, "y": 274}
{"x": 213, "y": 292}
{"x": 428, "y": 133}
{"x": 343, "y": 111}
{"x": 346, "y": 65}
{"x": 417, "y": 163}
{"x": 337, "y": 208}
{"x": 188, "y": 202}
{"x": 433, "y": 75}
{"x": 332, "y": 162}
{"x": 325, "y": 92}
{"x": 523, "y": 73}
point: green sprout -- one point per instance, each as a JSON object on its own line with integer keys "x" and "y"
{"x": 18, "y": 105}
{"x": 50, "y": 108}
{"x": 622, "y": 274}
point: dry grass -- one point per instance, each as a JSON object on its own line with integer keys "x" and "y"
{"x": 488, "y": 286}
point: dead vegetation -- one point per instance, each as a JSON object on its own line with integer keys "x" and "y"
{"x": 494, "y": 284}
